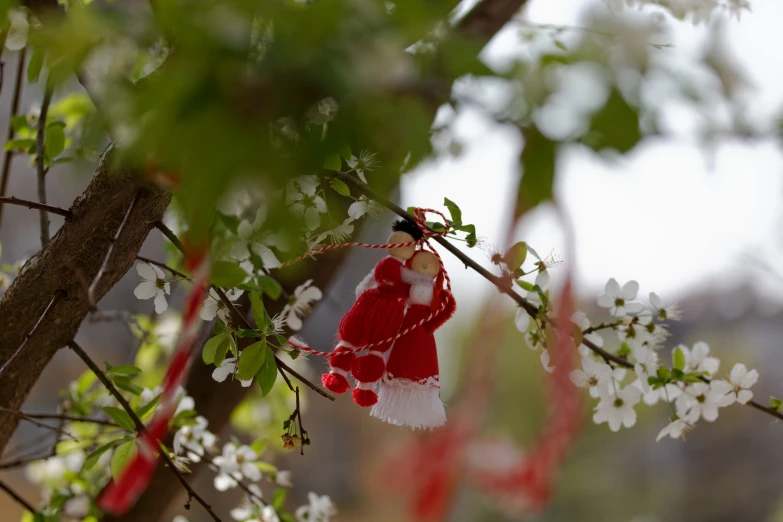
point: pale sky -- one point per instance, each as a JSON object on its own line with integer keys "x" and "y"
{"x": 672, "y": 214}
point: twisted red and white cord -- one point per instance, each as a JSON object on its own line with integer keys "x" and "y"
{"x": 123, "y": 492}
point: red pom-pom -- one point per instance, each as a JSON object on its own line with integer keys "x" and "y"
{"x": 368, "y": 368}
{"x": 335, "y": 383}
{"x": 342, "y": 358}
{"x": 364, "y": 398}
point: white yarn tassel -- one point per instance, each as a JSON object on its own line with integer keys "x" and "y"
{"x": 404, "y": 403}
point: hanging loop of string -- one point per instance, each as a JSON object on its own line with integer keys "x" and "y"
{"x": 419, "y": 215}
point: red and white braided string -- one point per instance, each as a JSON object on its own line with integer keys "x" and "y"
{"x": 419, "y": 215}
{"x": 122, "y": 493}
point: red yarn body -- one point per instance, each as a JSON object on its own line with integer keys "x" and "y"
{"x": 378, "y": 312}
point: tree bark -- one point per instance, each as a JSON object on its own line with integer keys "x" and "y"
{"x": 68, "y": 263}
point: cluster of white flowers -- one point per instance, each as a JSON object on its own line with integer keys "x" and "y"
{"x": 697, "y": 11}
{"x": 690, "y": 387}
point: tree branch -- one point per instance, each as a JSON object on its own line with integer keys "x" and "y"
{"x": 138, "y": 424}
{"x": 19, "y": 500}
{"x": 9, "y": 154}
{"x": 37, "y": 206}
{"x": 40, "y": 156}
{"x": 61, "y": 416}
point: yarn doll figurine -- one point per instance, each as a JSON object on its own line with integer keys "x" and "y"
{"x": 409, "y": 392}
{"x": 376, "y": 316}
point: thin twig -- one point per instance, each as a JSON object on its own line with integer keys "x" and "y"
{"x": 35, "y": 421}
{"x": 57, "y": 296}
{"x": 138, "y": 424}
{"x": 105, "y": 264}
{"x": 163, "y": 266}
{"x": 241, "y": 484}
{"x": 67, "y": 214}
{"x": 531, "y": 309}
{"x": 60, "y": 416}
{"x": 19, "y": 500}
{"x": 237, "y": 316}
{"x": 8, "y": 156}
{"x": 40, "y": 156}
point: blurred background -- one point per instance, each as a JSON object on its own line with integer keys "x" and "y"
{"x": 692, "y": 214}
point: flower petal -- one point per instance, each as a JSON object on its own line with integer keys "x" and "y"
{"x": 146, "y": 290}
{"x": 146, "y": 271}
{"x": 522, "y": 320}
{"x": 160, "y": 303}
{"x": 630, "y": 289}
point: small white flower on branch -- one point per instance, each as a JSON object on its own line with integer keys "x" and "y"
{"x": 545, "y": 361}
{"x": 226, "y": 368}
{"x": 617, "y": 410}
{"x": 701, "y": 400}
{"x": 741, "y": 381}
{"x": 366, "y": 162}
{"x": 358, "y": 209}
{"x": 283, "y": 478}
{"x": 153, "y": 285}
{"x": 214, "y": 307}
{"x": 580, "y": 319}
{"x": 300, "y": 304}
{"x": 301, "y": 196}
{"x": 320, "y": 509}
{"x": 233, "y": 465}
{"x": 699, "y": 360}
{"x": 522, "y": 320}
{"x": 675, "y": 429}
{"x": 664, "y": 312}
{"x": 194, "y": 440}
{"x": 337, "y": 234}
{"x": 250, "y": 242}
{"x": 594, "y": 375}
{"x": 619, "y": 300}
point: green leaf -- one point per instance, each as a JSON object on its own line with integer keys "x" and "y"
{"x": 35, "y": 65}
{"x": 226, "y": 274}
{"x": 211, "y": 347}
{"x": 340, "y": 187}
{"x": 257, "y": 306}
{"x": 278, "y": 498}
{"x": 54, "y": 139}
{"x": 454, "y": 211}
{"x": 122, "y": 456}
{"x": 345, "y": 151}
{"x": 270, "y": 286}
{"x": 259, "y": 445}
{"x": 19, "y": 123}
{"x": 525, "y": 285}
{"x": 125, "y": 369}
{"x": 121, "y": 417}
{"x": 251, "y": 359}
{"x": 516, "y": 255}
{"x": 20, "y": 144}
{"x": 614, "y": 126}
{"x": 125, "y": 383}
{"x": 144, "y": 410}
{"x": 471, "y": 234}
{"x": 333, "y": 162}
{"x": 538, "y": 170}
{"x": 678, "y": 359}
{"x": 624, "y": 350}
{"x": 247, "y": 333}
{"x": 560, "y": 45}
{"x": 265, "y": 467}
{"x": 775, "y": 403}
{"x": 267, "y": 375}
{"x": 93, "y": 457}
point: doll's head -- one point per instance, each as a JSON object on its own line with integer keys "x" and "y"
{"x": 424, "y": 262}
{"x": 404, "y": 231}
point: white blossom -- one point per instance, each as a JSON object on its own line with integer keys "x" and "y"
{"x": 698, "y": 359}
{"x": 320, "y": 509}
{"x": 358, "y": 209}
{"x": 580, "y": 319}
{"x": 594, "y": 375}
{"x": 675, "y": 429}
{"x": 153, "y": 285}
{"x": 617, "y": 410}
{"x": 300, "y": 304}
{"x": 283, "y": 478}
{"x": 226, "y": 368}
{"x": 366, "y": 162}
{"x": 338, "y": 234}
{"x": 301, "y": 196}
{"x": 741, "y": 381}
{"x": 664, "y": 312}
{"x": 522, "y": 320}
{"x": 701, "y": 400}
{"x": 619, "y": 300}
{"x": 252, "y": 240}
{"x": 214, "y": 307}
{"x": 234, "y": 464}
{"x": 545, "y": 361}
{"x": 252, "y": 508}
{"x": 16, "y": 38}
{"x": 195, "y": 439}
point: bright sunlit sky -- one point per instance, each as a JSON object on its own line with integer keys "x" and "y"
{"x": 673, "y": 215}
